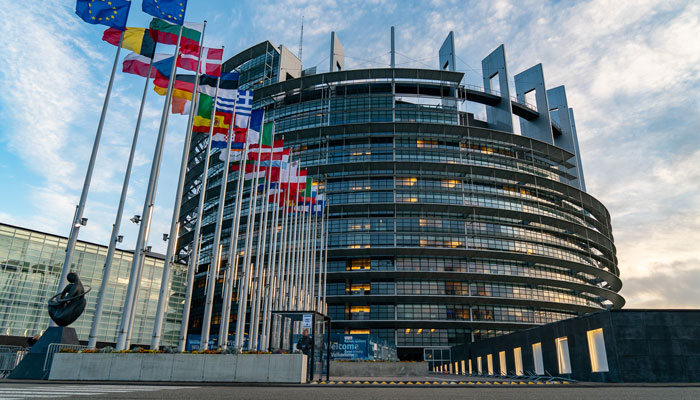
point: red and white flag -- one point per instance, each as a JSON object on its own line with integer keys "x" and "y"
{"x": 211, "y": 59}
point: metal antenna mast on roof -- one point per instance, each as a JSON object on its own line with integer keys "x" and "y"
{"x": 301, "y": 37}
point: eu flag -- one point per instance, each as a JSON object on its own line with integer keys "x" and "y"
{"x": 169, "y": 10}
{"x": 111, "y": 13}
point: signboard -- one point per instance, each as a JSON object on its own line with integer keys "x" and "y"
{"x": 349, "y": 347}
{"x": 307, "y": 322}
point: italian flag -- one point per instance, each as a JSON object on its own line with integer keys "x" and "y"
{"x": 166, "y": 33}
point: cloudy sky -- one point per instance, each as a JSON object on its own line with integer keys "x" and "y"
{"x": 631, "y": 70}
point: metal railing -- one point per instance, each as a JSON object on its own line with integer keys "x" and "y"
{"x": 10, "y": 357}
{"x": 55, "y": 348}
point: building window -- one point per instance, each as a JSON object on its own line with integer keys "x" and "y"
{"x": 489, "y": 363}
{"x": 479, "y": 368}
{"x": 502, "y": 363}
{"x": 596, "y": 348}
{"x": 537, "y": 358}
{"x": 464, "y": 370}
{"x": 563, "y": 355}
{"x": 470, "y": 367}
{"x": 518, "y": 356}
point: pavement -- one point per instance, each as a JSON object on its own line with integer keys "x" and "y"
{"x": 446, "y": 388}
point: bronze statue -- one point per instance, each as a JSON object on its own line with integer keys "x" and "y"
{"x": 67, "y": 306}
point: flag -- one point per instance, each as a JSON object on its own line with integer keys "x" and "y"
{"x": 170, "y": 10}
{"x": 182, "y": 87}
{"x": 270, "y": 156}
{"x": 137, "y": 64}
{"x": 255, "y": 127}
{"x": 164, "y": 66}
{"x": 210, "y": 63}
{"x": 203, "y": 118}
{"x": 166, "y": 33}
{"x": 181, "y": 106}
{"x": 111, "y": 13}
{"x": 135, "y": 39}
{"x": 182, "y": 81}
{"x": 227, "y": 85}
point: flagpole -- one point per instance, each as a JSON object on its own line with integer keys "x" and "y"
{"x": 145, "y": 226}
{"x": 243, "y": 291}
{"x": 233, "y": 251}
{"x": 293, "y": 250}
{"x": 274, "y": 269}
{"x": 320, "y": 254}
{"x": 196, "y": 238}
{"x": 252, "y": 205}
{"x": 78, "y": 216}
{"x": 213, "y": 271}
{"x": 314, "y": 259}
{"x": 255, "y": 301}
{"x": 92, "y": 341}
{"x": 263, "y": 284}
{"x": 164, "y": 294}
{"x": 307, "y": 255}
{"x": 260, "y": 261}
{"x": 281, "y": 303}
{"x": 325, "y": 257}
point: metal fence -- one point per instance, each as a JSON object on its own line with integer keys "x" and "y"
{"x": 10, "y": 356}
{"x": 55, "y": 348}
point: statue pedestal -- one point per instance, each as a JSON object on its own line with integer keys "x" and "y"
{"x": 32, "y": 365}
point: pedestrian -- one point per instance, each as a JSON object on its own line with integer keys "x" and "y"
{"x": 304, "y": 344}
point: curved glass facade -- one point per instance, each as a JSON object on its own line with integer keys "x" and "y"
{"x": 441, "y": 229}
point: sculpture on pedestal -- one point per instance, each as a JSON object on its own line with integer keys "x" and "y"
{"x": 67, "y": 306}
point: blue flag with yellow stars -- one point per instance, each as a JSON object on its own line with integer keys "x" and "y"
{"x": 104, "y": 12}
{"x": 169, "y": 10}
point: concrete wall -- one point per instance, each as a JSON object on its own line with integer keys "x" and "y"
{"x": 641, "y": 346}
{"x": 277, "y": 368}
{"x": 340, "y": 368}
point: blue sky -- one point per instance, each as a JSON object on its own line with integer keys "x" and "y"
{"x": 631, "y": 70}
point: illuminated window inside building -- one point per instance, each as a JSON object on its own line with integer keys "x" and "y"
{"x": 563, "y": 355}
{"x": 596, "y": 349}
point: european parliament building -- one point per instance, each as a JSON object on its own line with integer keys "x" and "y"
{"x": 447, "y": 225}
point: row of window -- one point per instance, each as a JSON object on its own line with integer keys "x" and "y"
{"x": 459, "y": 264}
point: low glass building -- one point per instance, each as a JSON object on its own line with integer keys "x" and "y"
{"x": 446, "y": 224}
{"x": 30, "y": 266}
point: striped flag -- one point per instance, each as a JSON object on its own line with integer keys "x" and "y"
{"x": 210, "y": 63}
{"x": 137, "y": 64}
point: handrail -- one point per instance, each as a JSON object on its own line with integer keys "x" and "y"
{"x": 55, "y": 348}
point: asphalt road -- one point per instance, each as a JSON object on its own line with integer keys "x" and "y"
{"x": 139, "y": 391}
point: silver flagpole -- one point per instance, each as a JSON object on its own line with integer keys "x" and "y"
{"x": 295, "y": 259}
{"x": 197, "y": 237}
{"x": 92, "y": 341}
{"x": 281, "y": 303}
{"x": 164, "y": 294}
{"x": 255, "y": 300}
{"x": 247, "y": 275}
{"x": 262, "y": 270}
{"x": 274, "y": 270}
{"x": 308, "y": 265}
{"x": 233, "y": 252}
{"x": 293, "y": 245}
{"x": 147, "y": 214}
{"x": 314, "y": 259}
{"x": 268, "y": 271}
{"x": 78, "y": 217}
{"x": 213, "y": 271}
{"x": 300, "y": 260}
{"x": 320, "y": 254}
{"x": 309, "y": 256}
{"x": 325, "y": 256}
